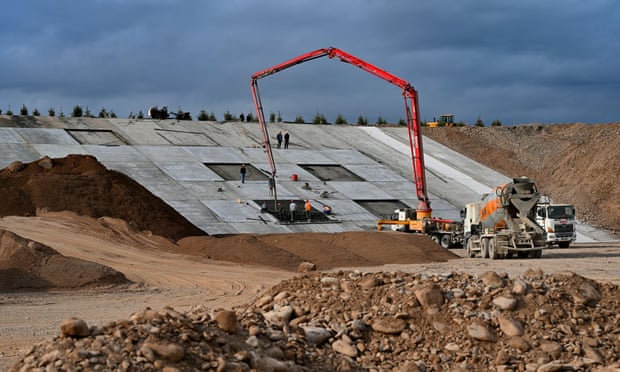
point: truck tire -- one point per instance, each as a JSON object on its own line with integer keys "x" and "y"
{"x": 435, "y": 238}
{"x": 564, "y": 244}
{"x": 469, "y": 248}
{"x": 484, "y": 248}
{"x": 446, "y": 241}
{"x": 493, "y": 249}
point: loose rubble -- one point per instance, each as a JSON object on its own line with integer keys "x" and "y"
{"x": 354, "y": 321}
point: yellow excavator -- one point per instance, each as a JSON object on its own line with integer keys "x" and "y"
{"x": 445, "y": 120}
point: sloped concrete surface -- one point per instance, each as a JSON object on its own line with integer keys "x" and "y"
{"x": 171, "y": 158}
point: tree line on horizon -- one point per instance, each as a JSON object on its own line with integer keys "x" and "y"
{"x": 318, "y": 118}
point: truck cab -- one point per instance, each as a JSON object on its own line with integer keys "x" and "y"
{"x": 558, "y": 221}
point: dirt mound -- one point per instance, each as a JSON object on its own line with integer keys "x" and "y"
{"x": 573, "y": 163}
{"x": 326, "y": 251}
{"x": 26, "y": 264}
{"x": 79, "y": 183}
{"x": 357, "y": 322}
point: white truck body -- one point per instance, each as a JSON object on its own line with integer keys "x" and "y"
{"x": 558, "y": 221}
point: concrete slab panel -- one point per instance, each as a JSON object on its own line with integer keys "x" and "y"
{"x": 232, "y": 212}
{"x": 345, "y": 210}
{"x": 116, "y": 153}
{"x": 48, "y": 136}
{"x": 216, "y": 190}
{"x": 141, "y": 132}
{"x": 375, "y": 172}
{"x": 285, "y": 171}
{"x": 169, "y": 191}
{"x": 359, "y": 190}
{"x": 347, "y": 156}
{"x": 16, "y": 151}
{"x": 305, "y": 157}
{"x": 181, "y": 137}
{"x": 189, "y": 172}
{"x": 196, "y": 213}
{"x": 10, "y": 135}
{"x": 144, "y": 173}
{"x": 104, "y": 137}
{"x": 59, "y": 151}
{"x": 163, "y": 154}
{"x": 216, "y": 154}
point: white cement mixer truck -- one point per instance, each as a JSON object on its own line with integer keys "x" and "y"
{"x": 503, "y": 223}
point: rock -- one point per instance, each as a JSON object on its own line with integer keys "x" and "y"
{"x": 306, "y": 266}
{"x": 492, "y": 279}
{"x": 168, "y": 351}
{"x": 511, "y": 327}
{"x": 519, "y": 343}
{"x": 551, "y": 347}
{"x": 279, "y": 316}
{"x": 533, "y": 274}
{"x": 585, "y": 294}
{"x": 593, "y": 354}
{"x": 16, "y": 166}
{"x": 388, "y": 325}
{"x": 75, "y": 328}
{"x": 316, "y": 335}
{"x": 271, "y": 364}
{"x": 369, "y": 282}
{"x": 430, "y": 297}
{"x": 479, "y": 330}
{"x": 46, "y": 163}
{"x": 505, "y": 303}
{"x": 226, "y": 320}
{"x": 519, "y": 287}
{"x": 344, "y": 348}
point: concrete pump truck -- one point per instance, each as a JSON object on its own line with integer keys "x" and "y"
{"x": 447, "y": 232}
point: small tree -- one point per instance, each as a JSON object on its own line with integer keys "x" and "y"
{"x": 479, "y": 122}
{"x": 36, "y": 112}
{"x": 249, "y": 117}
{"x": 140, "y": 115}
{"x": 381, "y": 120}
{"x": 77, "y": 111}
{"x": 9, "y": 112}
{"x": 299, "y": 119}
{"x": 0, "y": 111}
{"x": 203, "y": 116}
{"x": 402, "y": 121}
{"x": 319, "y": 119}
{"x": 51, "y": 112}
{"x": 102, "y": 113}
{"x": 496, "y": 123}
{"x": 23, "y": 111}
{"x": 212, "y": 116}
{"x": 272, "y": 117}
{"x": 362, "y": 120}
{"x": 340, "y": 120}
{"x": 87, "y": 113}
{"x": 279, "y": 118}
{"x": 112, "y": 114}
{"x": 228, "y": 116}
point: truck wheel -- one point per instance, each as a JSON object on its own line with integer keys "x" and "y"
{"x": 469, "y": 248}
{"x": 564, "y": 244}
{"x": 484, "y": 249}
{"x": 493, "y": 249}
{"x": 446, "y": 241}
{"x": 435, "y": 238}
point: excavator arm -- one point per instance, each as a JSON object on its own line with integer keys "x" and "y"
{"x": 411, "y": 109}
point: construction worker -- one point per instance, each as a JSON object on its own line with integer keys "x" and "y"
{"x": 308, "y": 209}
{"x": 292, "y": 207}
{"x": 272, "y": 184}
{"x": 242, "y": 171}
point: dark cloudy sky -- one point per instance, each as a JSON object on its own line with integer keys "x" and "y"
{"x": 515, "y": 61}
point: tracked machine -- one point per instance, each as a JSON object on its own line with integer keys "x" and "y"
{"x": 503, "y": 223}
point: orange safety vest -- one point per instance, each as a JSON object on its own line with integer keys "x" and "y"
{"x": 308, "y": 206}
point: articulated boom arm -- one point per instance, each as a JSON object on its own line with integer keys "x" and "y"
{"x": 411, "y": 109}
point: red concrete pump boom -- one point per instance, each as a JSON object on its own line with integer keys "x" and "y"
{"x": 411, "y": 110}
